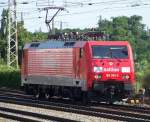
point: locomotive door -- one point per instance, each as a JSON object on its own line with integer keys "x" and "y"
{"x": 79, "y": 63}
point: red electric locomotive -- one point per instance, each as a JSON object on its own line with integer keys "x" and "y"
{"x": 99, "y": 70}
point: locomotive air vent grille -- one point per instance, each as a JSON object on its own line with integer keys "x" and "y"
{"x": 34, "y": 44}
{"x": 67, "y": 44}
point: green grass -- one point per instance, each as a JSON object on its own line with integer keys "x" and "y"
{"x": 9, "y": 77}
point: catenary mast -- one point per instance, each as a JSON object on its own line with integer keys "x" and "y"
{"x": 12, "y": 40}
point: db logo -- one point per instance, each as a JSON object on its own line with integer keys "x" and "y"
{"x": 110, "y": 63}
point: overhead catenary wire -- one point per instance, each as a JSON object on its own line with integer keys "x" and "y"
{"x": 106, "y": 9}
{"x": 32, "y": 9}
{"x": 96, "y": 6}
{"x": 91, "y": 11}
{"x": 81, "y": 3}
{"x": 100, "y": 3}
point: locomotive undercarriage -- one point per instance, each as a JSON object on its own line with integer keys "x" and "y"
{"x": 47, "y": 92}
{"x": 108, "y": 92}
{"x": 111, "y": 91}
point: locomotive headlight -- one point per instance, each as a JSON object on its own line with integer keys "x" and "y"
{"x": 98, "y": 69}
{"x": 125, "y": 76}
{"x": 98, "y": 76}
{"x": 125, "y": 69}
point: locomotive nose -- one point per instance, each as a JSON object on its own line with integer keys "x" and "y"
{"x": 111, "y": 69}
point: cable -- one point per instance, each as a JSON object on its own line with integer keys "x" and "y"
{"x": 87, "y": 12}
{"x": 82, "y": 3}
{"x": 86, "y": 2}
{"x": 107, "y": 8}
{"x": 4, "y": 6}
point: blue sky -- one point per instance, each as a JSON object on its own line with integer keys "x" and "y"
{"x": 79, "y": 13}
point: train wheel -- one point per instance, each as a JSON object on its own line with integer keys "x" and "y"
{"x": 28, "y": 90}
{"x": 47, "y": 96}
{"x": 36, "y": 92}
{"x": 85, "y": 98}
{"x": 77, "y": 94}
{"x": 109, "y": 101}
{"x": 37, "y": 95}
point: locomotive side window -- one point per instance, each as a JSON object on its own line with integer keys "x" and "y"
{"x": 110, "y": 52}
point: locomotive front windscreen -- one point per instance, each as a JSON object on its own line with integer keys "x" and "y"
{"x": 112, "y": 52}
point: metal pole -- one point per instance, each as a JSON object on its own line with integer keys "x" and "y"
{"x": 51, "y": 21}
{"x": 8, "y": 36}
{"x": 53, "y": 27}
{"x": 12, "y": 40}
{"x": 16, "y": 32}
{"x": 61, "y": 26}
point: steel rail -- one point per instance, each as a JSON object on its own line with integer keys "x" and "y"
{"x": 17, "y": 118}
{"x": 136, "y": 113}
{"x": 85, "y": 110}
{"x": 19, "y": 93}
{"x": 124, "y": 107}
{"x": 94, "y": 105}
{"x": 30, "y": 114}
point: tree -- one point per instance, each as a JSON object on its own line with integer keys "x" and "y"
{"x": 3, "y": 34}
{"x": 23, "y": 35}
{"x": 146, "y": 77}
{"x": 136, "y": 26}
{"x": 105, "y": 26}
{"x": 4, "y": 24}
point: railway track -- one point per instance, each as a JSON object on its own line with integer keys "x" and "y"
{"x": 116, "y": 112}
{"x": 25, "y": 116}
{"x": 124, "y": 107}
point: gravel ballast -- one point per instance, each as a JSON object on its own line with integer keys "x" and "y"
{"x": 61, "y": 114}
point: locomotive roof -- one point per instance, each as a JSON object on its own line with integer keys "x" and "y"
{"x": 109, "y": 43}
{"x": 50, "y": 44}
{"x": 68, "y": 44}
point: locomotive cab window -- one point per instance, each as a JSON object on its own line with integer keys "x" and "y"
{"x": 112, "y": 52}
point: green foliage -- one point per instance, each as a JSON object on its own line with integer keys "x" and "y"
{"x": 38, "y": 36}
{"x": 4, "y": 24}
{"x": 143, "y": 73}
{"x": 105, "y": 26}
{"x": 3, "y": 34}
{"x": 146, "y": 80}
{"x": 24, "y": 36}
{"x": 139, "y": 78}
{"x": 146, "y": 77}
{"x": 9, "y": 77}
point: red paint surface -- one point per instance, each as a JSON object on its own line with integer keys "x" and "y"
{"x": 66, "y": 62}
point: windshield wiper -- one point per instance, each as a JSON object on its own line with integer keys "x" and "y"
{"x": 110, "y": 55}
{"x": 116, "y": 58}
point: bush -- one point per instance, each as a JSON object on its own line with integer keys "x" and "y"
{"x": 9, "y": 77}
{"x": 143, "y": 74}
{"x": 146, "y": 79}
{"x": 139, "y": 77}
